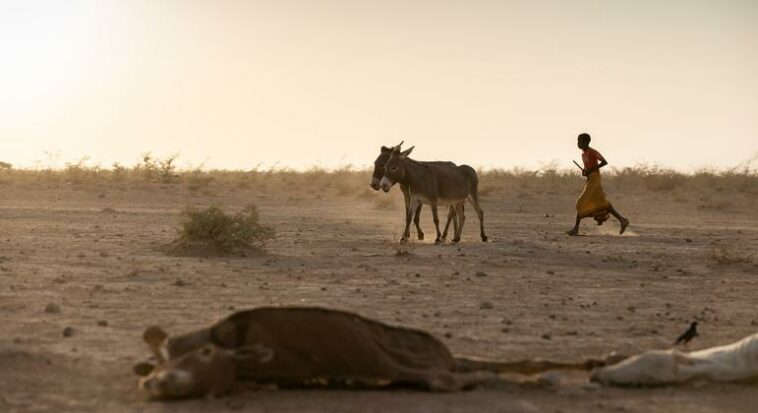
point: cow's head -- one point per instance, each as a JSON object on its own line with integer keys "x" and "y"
{"x": 381, "y": 160}
{"x": 394, "y": 169}
{"x": 207, "y": 370}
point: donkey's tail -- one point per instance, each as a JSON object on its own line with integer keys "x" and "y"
{"x": 469, "y": 172}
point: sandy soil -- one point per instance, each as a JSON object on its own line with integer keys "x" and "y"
{"x": 96, "y": 252}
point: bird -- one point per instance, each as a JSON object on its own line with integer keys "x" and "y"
{"x": 688, "y": 335}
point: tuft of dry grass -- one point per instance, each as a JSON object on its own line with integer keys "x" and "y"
{"x": 212, "y": 231}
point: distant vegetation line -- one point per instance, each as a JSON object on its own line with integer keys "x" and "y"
{"x": 168, "y": 165}
{"x": 349, "y": 180}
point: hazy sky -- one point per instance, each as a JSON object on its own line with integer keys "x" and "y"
{"x": 320, "y": 82}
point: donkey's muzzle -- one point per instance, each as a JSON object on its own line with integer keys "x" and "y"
{"x": 386, "y": 184}
{"x": 374, "y": 184}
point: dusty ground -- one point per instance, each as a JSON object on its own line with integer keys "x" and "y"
{"x": 95, "y": 251}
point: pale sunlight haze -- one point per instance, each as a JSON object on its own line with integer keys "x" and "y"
{"x": 240, "y": 84}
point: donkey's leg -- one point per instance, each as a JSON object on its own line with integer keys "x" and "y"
{"x": 474, "y": 198}
{"x": 450, "y": 217}
{"x": 407, "y": 201}
{"x": 416, "y": 219}
{"x": 408, "y": 216}
{"x": 459, "y": 212}
{"x": 436, "y": 222}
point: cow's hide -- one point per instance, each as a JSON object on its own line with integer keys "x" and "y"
{"x": 321, "y": 343}
{"x": 736, "y": 362}
{"x": 307, "y": 346}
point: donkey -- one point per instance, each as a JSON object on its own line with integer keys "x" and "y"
{"x": 434, "y": 184}
{"x": 311, "y": 346}
{"x": 376, "y": 176}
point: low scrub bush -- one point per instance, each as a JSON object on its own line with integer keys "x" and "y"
{"x": 212, "y": 231}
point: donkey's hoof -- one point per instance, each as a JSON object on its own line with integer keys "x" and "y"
{"x": 485, "y": 238}
{"x": 438, "y": 241}
{"x": 403, "y": 240}
{"x": 455, "y": 240}
{"x": 420, "y": 236}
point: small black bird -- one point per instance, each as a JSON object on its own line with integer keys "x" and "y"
{"x": 688, "y": 335}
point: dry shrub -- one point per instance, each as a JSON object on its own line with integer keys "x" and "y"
{"x": 198, "y": 180}
{"x": 714, "y": 205}
{"x": 78, "y": 172}
{"x": 163, "y": 169}
{"x": 655, "y": 178}
{"x": 549, "y": 178}
{"x": 212, "y": 231}
{"x": 344, "y": 180}
{"x": 651, "y": 177}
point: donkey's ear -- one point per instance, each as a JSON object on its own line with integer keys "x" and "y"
{"x": 156, "y": 337}
{"x": 407, "y": 151}
{"x": 257, "y": 352}
{"x": 396, "y": 150}
{"x": 386, "y": 149}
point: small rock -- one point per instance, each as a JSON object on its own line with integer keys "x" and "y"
{"x": 481, "y": 274}
{"x": 754, "y": 323}
{"x": 180, "y": 283}
{"x": 102, "y": 323}
{"x": 547, "y": 336}
{"x": 68, "y": 331}
{"x": 52, "y": 308}
{"x": 551, "y": 272}
{"x": 486, "y": 306}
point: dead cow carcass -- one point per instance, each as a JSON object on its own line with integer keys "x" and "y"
{"x": 297, "y": 346}
{"x": 736, "y": 362}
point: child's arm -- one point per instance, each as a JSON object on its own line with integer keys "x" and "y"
{"x": 602, "y": 163}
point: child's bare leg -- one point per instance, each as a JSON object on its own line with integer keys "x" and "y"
{"x": 575, "y": 230}
{"x": 623, "y": 221}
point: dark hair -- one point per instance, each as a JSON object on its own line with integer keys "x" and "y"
{"x": 584, "y": 137}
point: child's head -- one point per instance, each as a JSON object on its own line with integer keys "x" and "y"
{"x": 583, "y": 140}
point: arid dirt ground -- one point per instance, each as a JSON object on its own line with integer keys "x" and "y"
{"x": 95, "y": 249}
